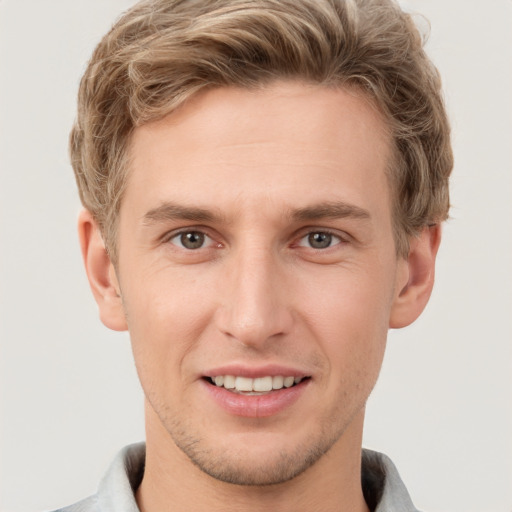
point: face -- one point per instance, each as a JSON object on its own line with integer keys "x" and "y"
{"x": 258, "y": 273}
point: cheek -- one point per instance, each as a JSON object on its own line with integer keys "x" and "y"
{"x": 166, "y": 317}
{"x": 349, "y": 316}
{"x": 348, "y": 300}
{"x": 167, "y": 299}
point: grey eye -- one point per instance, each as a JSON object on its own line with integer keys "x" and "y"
{"x": 190, "y": 239}
{"x": 319, "y": 240}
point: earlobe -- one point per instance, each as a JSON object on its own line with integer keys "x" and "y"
{"x": 101, "y": 273}
{"x": 415, "y": 278}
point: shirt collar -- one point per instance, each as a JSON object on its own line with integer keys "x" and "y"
{"x": 383, "y": 488}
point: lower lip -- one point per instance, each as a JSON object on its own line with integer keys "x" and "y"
{"x": 256, "y": 406}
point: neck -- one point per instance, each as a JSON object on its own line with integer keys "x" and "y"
{"x": 172, "y": 482}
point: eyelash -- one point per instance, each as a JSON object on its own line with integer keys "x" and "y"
{"x": 333, "y": 236}
{"x": 176, "y": 235}
{"x": 201, "y": 231}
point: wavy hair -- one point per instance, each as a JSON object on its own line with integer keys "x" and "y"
{"x": 162, "y": 52}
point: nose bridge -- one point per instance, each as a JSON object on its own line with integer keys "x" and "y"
{"x": 254, "y": 307}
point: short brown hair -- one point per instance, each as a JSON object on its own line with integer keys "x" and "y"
{"x": 162, "y": 52}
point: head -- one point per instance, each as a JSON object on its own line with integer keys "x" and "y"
{"x": 162, "y": 53}
{"x": 267, "y": 178}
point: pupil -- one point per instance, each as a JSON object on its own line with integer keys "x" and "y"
{"x": 320, "y": 240}
{"x": 192, "y": 240}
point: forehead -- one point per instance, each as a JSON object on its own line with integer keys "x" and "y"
{"x": 276, "y": 143}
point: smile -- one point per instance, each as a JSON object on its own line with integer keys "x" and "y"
{"x": 258, "y": 385}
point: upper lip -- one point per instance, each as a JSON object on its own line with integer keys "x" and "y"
{"x": 254, "y": 372}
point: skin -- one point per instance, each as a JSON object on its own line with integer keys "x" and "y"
{"x": 267, "y": 168}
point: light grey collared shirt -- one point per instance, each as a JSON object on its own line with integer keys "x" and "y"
{"x": 383, "y": 489}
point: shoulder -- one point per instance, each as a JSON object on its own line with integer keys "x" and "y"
{"x": 116, "y": 491}
{"x": 89, "y": 504}
{"x": 383, "y": 489}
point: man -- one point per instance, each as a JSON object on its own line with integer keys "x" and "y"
{"x": 263, "y": 184}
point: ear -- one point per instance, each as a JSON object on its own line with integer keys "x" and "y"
{"x": 415, "y": 277}
{"x": 101, "y": 273}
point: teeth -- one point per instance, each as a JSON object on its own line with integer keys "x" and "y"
{"x": 243, "y": 384}
{"x": 289, "y": 382}
{"x": 229, "y": 382}
{"x": 262, "y": 384}
{"x": 258, "y": 385}
{"x": 277, "y": 382}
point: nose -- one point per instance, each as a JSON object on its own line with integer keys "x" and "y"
{"x": 255, "y": 306}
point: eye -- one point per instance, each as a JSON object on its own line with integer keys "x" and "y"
{"x": 319, "y": 240}
{"x": 191, "y": 240}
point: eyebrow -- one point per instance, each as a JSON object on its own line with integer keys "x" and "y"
{"x": 170, "y": 211}
{"x": 330, "y": 210}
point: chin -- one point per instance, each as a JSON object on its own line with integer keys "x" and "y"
{"x": 244, "y": 469}
{"x": 253, "y": 459}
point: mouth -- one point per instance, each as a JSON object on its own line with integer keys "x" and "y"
{"x": 254, "y": 386}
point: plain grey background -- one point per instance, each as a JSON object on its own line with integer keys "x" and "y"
{"x": 69, "y": 394}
